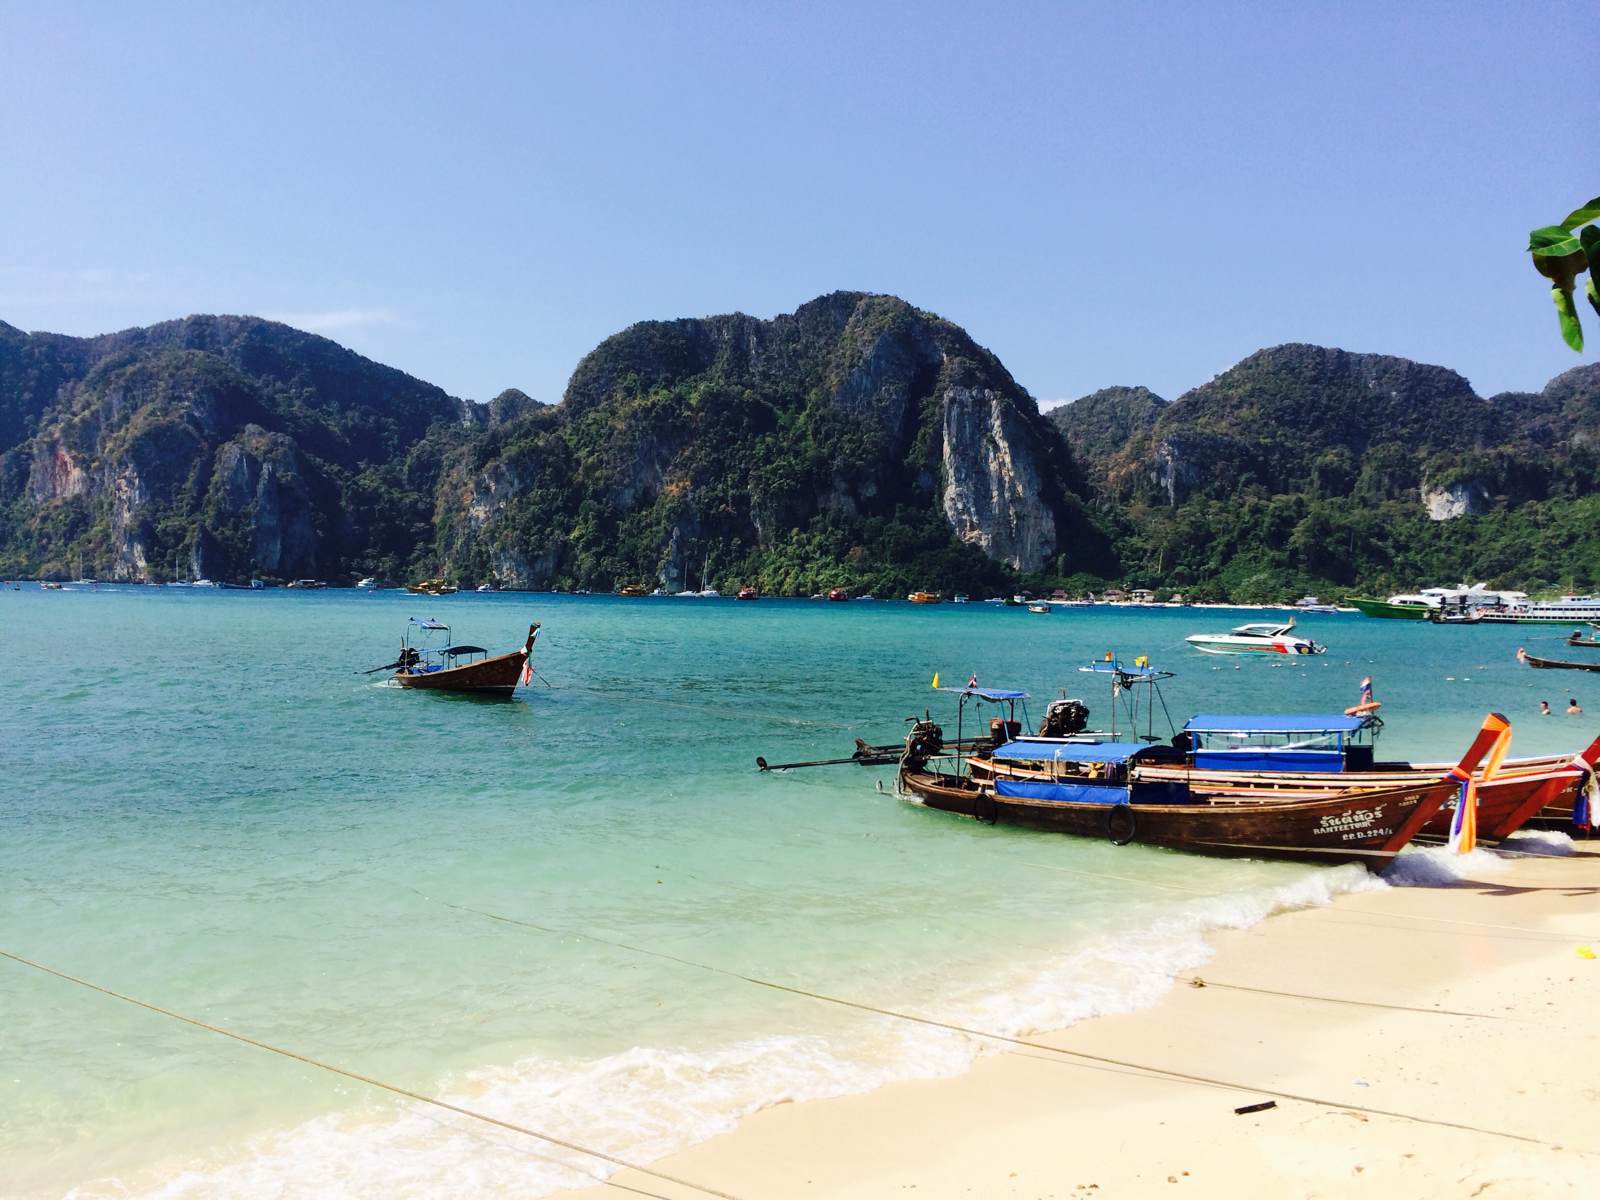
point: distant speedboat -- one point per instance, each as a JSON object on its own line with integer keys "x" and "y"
{"x": 205, "y": 583}
{"x": 1255, "y": 639}
{"x": 369, "y": 584}
{"x": 748, "y": 593}
{"x": 925, "y": 598}
{"x": 959, "y": 598}
{"x": 1038, "y": 608}
{"x": 838, "y": 594}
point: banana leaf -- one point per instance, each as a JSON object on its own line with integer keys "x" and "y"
{"x": 1590, "y": 236}
{"x": 1578, "y": 216}
{"x": 1568, "y": 313}
{"x": 1553, "y": 241}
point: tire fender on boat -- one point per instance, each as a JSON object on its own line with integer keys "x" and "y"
{"x": 1120, "y": 825}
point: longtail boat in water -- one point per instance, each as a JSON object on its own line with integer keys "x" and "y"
{"x": 1095, "y": 789}
{"x": 1244, "y": 755}
{"x": 449, "y": 667}
{"x": 1557, "y": 664}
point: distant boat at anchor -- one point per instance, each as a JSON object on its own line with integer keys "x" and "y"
{"x": 457, "y": 668}
{"x": 1255, "y": 639}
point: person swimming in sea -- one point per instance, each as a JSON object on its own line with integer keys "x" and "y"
{"x": 1544, "y": 708}
{"x": 1572, "y": 707}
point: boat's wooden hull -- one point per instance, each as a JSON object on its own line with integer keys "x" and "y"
{"x": 1520, "y": 789}
{"x": 1363, "y": 826}
{"x": 497, "y": 676}
{"x": 1505, "y": 803}
{"x": 1556, "y": 664}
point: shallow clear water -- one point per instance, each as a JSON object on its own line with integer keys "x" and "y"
{"x": 206, "y": 808}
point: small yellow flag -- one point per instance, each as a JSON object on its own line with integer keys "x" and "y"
{"x": 936, "y": 681}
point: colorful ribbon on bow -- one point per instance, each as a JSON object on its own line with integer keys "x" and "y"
{"x": 1464, "y": 825}
{"x": 1583, "y": 803}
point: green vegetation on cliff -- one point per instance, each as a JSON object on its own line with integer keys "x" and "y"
{"x": 856, "y": 442}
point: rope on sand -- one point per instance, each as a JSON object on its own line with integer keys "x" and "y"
{"x": 1197, "y": 982}
{"x": 1078, "y": 1055}
{"x": 389, "y": 1087}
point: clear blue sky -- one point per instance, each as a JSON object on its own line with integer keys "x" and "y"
{"x": 1119, "y": 193}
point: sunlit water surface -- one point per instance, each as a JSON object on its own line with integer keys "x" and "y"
{"x": 205, "y": 807}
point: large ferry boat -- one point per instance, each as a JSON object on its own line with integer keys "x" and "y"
{"x": 1478, "y": 603}
{"x": 1568, "y": 610}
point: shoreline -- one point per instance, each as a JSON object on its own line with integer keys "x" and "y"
{"x": 1424, "y": 1038}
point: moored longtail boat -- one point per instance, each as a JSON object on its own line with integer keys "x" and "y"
{"x": 1556, "y": 664}
{"x": 1241, "y": 756}
{"x": 459, "y": 668}
{"x": 1092, "y": 790}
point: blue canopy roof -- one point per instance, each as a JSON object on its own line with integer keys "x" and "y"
{"x": 1281, "y": 723}
{"x": 993, "y": 694}
{"x": 1118, "y": 668}
{"x": 1042, "y": 750}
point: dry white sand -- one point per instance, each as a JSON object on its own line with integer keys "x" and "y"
{"x": 1419, "y": 1041}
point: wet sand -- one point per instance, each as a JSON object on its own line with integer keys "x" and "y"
{"x": 1440, "y": 1040}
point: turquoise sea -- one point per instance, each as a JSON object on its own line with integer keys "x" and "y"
{"x": 204, "y": 807}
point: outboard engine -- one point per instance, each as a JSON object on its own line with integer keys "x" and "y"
{"x": 924, "y": 741}
{"x": 1064, "y": 718}
{"x": 1002, "y": 731}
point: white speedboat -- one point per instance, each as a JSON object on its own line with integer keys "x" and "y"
{"x": 369, "y": 584}
{"x": 1255, "y": 639}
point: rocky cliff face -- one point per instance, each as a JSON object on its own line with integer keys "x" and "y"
{"x": 225, "y": 446}
{"x": 778, "y": 452}
{"x": 1308, "y": 420}
{"x": 993, "y": 489}
{"x": 856, "y": 441}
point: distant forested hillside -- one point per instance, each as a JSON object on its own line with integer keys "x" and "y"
{"x": 856, "y": 442}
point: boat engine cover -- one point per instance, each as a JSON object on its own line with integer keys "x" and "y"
{"x": 1064, "y": 718}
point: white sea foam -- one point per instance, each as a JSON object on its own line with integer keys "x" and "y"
{"x": 1439, "y": 866}
{"x": 1550, "y": 842}
{"x": 645, "y": 1103}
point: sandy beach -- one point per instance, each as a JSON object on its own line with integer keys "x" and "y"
{"x": 1432, "y": 1040}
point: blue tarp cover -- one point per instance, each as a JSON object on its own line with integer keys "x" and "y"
{"x": 1286, "y": 723}
{"x": 1062, "y": 793}
{"x": 1259, "y": 759}
{"x": 1053, "y": 751}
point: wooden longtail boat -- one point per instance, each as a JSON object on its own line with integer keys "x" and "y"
{"x": 1092, "y": 793}
{"x": 1233, "y": 757}
{"x": 453, "y": 668}
{"x": 1556, "y": 664}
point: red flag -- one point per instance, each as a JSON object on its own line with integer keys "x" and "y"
{"x": 527, "y": 672}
